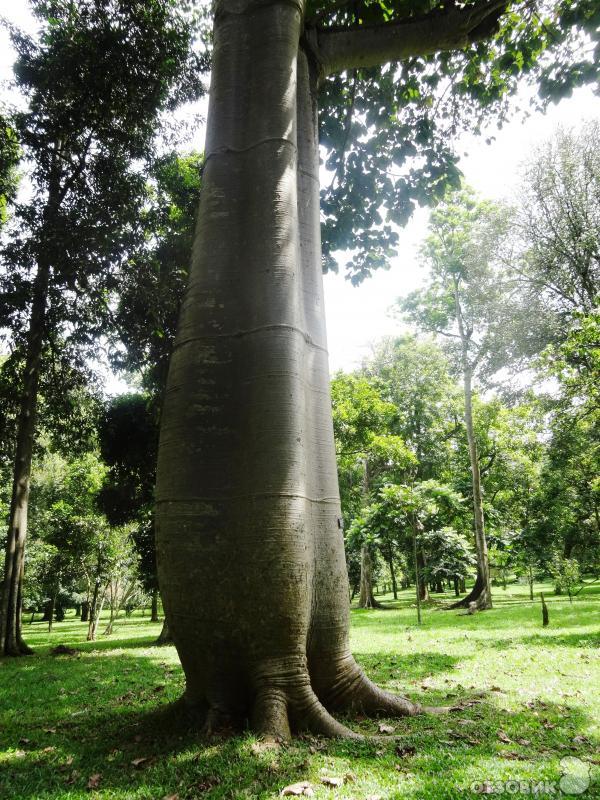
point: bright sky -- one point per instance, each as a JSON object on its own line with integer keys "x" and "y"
{"x": 356, "y": 317}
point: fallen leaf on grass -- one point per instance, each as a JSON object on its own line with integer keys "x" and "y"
{"x": 332, "y": 782}
{"x": 171, "y": 797}
{"x": 495, "y": 689}
{"x": 386, "y": 728}
{"x": 524, "y": 742}
{"x": 511, "y": 755}
{"x": 73, "y": 777}
{"x": 465, "y": 722}
{"x": 405, "y": 750}
{"x": 139, "y": 762}
{"x": 20, "y": 753}
{"x": 296, "y": 789}
{"x": 49, "y": 730}
{"x": 504, "y": 738}
{"x": 264, "y": 746}
{"x": 581, "y": 740}
{"x": 48, "y": 749}
{"x": 94, "y": 781}
{"x": 23, "y": 740}
{"x": 373, "y": 797}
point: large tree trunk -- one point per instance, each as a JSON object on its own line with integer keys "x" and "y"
{"x": 247, "y": 480}
{"x": 11, "y": 641}
{"x": 481, "y": 594}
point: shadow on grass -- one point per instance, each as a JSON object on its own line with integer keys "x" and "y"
{"x": 65, "y": 719}
{"x": 589, "y": 639}
{"x": 404, "y": 668}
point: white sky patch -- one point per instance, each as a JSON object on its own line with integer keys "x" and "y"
{"x": 359, "y": 316}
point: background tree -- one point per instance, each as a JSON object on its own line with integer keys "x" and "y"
{"x": 10, "y": 153}
{"x": 128, "y": 434}
{"x": 150, "y": 291}
{"x": 95, "y": 83}
{"x": 152, "y": 282}
{"x": 369, "y": 454}
{"x": 468, "y": 302}
{"x": 557, "y": 260}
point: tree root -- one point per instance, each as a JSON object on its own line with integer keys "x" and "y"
{"x": 345, "y": 686}
{"x": 284, "y": 701}
{"x": 17, "y": 649}
{"x": 476, "y": 595}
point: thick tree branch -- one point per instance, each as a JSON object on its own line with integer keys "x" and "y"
{"x": 371, "y": 46}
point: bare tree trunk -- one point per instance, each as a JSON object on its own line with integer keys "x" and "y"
{"x": 95, "y": 616}
{"x": 418, "y": 580}
{"x": 247, "y": 479}
{"x": 481, "y": 594}
{"x": 545, "y": 616}
{"x": 51, "y": 607}
{"x": 421, "y": 564}
{"x": 530, "y": 580}
{"x": 366, "y": 598}
{"x": 393, "y": 576}
{"x": 164, "y": 636}
{"x": 11, "y": 641}
{"x": 154, "y": 614}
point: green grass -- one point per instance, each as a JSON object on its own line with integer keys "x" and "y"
{"x": 64, "y": 719}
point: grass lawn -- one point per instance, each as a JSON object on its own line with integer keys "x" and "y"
{"x": 100, "y": 724}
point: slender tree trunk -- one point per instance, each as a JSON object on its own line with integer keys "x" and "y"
{"x": 455, "y": 582}
{"x": 85, "y": 610}
{"x": 481, "y": 593}
{"x": 530, "y": 579}
{"x": 423, "y": 590}
{"x": 154, "y": 615}
{"x": 247, "y": 479}
{"x": 91, "y": 634}
{"x": 51, "y": 607}
{"x": 366, "y": 597}
{"x": 11, "y": 642}
{"x": 418, "y": 580}
{"x": 95, "y": 612}
{"x": 393, "y": 576}
{"x": 545, "y": 616}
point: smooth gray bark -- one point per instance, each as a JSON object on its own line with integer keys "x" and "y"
{"x": 247, "y": 478}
